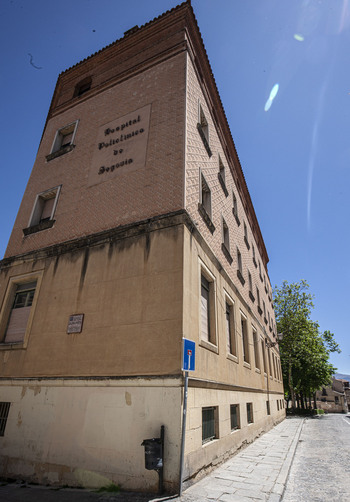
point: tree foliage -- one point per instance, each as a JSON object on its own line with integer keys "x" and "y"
{"x": 304, "y": 350}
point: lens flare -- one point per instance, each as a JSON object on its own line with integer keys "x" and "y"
{"x": 272, "y": 96}
{"x": 298, "y": 37}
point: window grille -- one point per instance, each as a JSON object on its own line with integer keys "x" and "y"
{"x": 250, "y": 413}
{"x": 234, "y": 416}
{"x": 4, "y": 411}
{"x": 208, "y": 424}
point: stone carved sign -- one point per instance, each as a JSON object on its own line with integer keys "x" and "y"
{"x": 121, "y": 146}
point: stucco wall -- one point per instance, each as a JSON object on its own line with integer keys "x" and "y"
{"x": 89, "y": 433}
{"x": 203, "y": 457}
{"x": 130, "y": 292}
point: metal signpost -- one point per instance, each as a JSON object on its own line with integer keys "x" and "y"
{"x": 188, "y": 364}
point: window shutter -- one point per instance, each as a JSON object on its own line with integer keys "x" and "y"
{"x": 228, "y": 329}
{"x": 47, "y": 209}
{"x": 205, "y": 309}
{"x": 17, "y": 325}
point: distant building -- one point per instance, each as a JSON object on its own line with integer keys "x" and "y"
{"x": 136, "y": 229}
{"x": 333, "y": 399}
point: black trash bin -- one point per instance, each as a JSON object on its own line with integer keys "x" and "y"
{"x": 153, "y": 453}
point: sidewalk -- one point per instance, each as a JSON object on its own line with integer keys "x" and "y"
{"x": 257, "y": 473}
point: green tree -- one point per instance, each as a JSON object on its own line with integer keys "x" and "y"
{"x": 304, "y": 350}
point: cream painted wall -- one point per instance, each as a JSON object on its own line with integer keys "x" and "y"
{"x": 130, "y": 292}
{"x": 89, "y": 433}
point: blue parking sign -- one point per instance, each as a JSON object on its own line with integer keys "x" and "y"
{"x": 189, "y": 352}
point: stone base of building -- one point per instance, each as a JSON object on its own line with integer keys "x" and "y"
{"x": 88, "y": 432}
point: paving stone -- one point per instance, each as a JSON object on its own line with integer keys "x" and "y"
{"x": 256, "y": 494}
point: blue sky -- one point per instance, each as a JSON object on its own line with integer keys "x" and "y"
{"x": 295, "y": 156}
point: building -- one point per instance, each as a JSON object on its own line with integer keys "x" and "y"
{"x": 136, "y": 230}
{"x": 333, "y": 399}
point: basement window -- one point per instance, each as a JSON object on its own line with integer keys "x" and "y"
{"x": 234, "y": 415}
{"x": 209, "y": 423}
{"x": 4, "y": 411}
{"x": 250, "y": 418}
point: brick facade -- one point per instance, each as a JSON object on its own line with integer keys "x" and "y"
{"x": 128, "y": 211}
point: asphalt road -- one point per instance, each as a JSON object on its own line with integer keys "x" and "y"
{"x": 320, "y": 471}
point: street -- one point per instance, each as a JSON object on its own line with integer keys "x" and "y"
{"x": 299, "y": 460}
{"x": 321, "y": 467}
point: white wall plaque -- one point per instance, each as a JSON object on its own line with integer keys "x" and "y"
{"x": 75, "y": 323}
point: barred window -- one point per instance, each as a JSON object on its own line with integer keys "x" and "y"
{"x": 208, "y": 424}
{"x": 4, "y": 411}
{"x": 250, "y": 419}
{"x": 234, "y": 412}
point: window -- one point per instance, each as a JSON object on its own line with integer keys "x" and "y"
{"x": 18, "y": 310}
{"x": 225, "y": 235}
{"x": 221, "y": 169}
{"x": 235, "y": 208}
{"x": 239, "y": 267}
{"x": 239, "y": 260}
{"x": 225, "y": 245}
{"x": 203, "y": 129}
{"x": 264, "y": 309}
{"x": 4, "y": 411}
{"x": 245, "y": 344}
{"x": 42, "y": 216}
{"x": 204, "y": 205}
{"x": 251, "y": 296}
{"x": 256, "y": 348}
{"x": 258, "y": 300}
{"x": 254, "y": 259}
{"x": 246, "y": 236}
{"x": 278, "y": 405}
{"x": 19, "y": 315}
{"x": 230, "y": 329}
{"x": 264, "y": 355}
{"x": 64, "y": 141}
{"x": 82, "y": 87}
{"x": 250, "y": 418}
{"x": 221, "y": 177}
{"x": 208, "y": 323}
{"x": 234, "y": 414}
{"x": 209, "y": 424}
{"x": 270, "y": 364}
{"x": 206, "y": 196}
{"x": 268, "y": 411}
{"x": 260, "y": 271}
{"x": 250, "y": 281}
